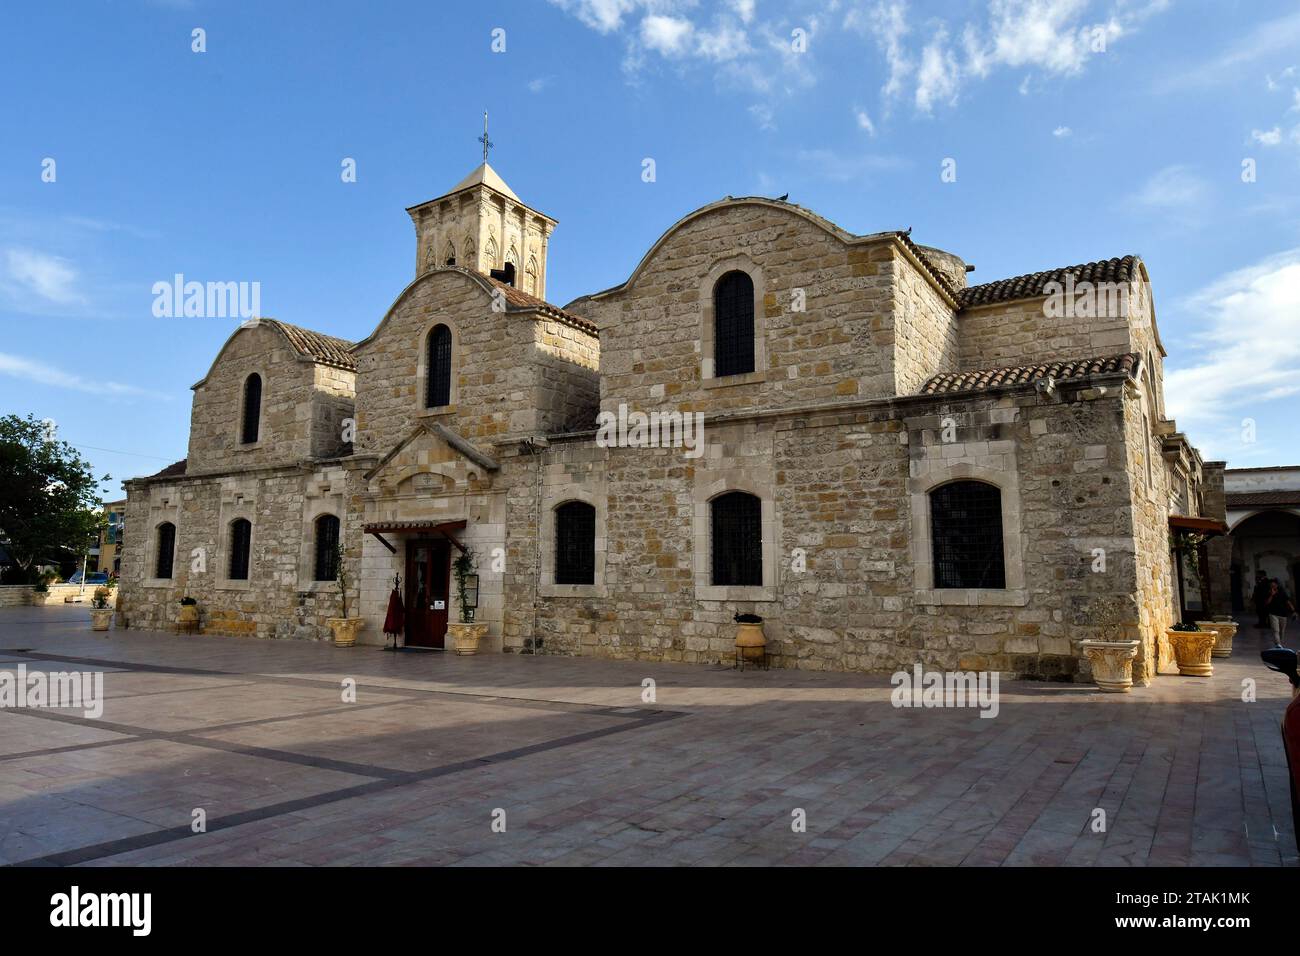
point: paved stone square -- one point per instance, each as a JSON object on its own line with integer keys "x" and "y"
{"x": 256, "y": 734}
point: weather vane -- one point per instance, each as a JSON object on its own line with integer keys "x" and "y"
{"x": 487, "y": 143}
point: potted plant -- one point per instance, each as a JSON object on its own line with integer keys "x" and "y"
{"x": 467, "y": 633}
{"x": 41, "y": 589}
{"x": 101, "y": 614}
{"x": 343, "y": 628}
{"x": 751, "y": 643}
{"x": 1192, "y": 648}
{"x": 189, "y": 616}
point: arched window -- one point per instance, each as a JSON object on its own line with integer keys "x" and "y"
{"x": 575, "y": 543}
{"x": 490, "y": 253}
{"x": 437, "y": 386}
{"x": 241, "y": 539}
{"x": 966, "y": 531}
{"x": 467, "y": 247}
{"x": 327, "y": 543}
{"x": 166, "y": 550}
{"x": 733, "y": 324}
{"x": 530, "y": 276}
{"x": 450, "y": 254}
{"x": 252, "y": 408}
{"x": 736, "y": 520}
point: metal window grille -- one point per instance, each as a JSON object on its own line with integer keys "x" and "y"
{"x": 575, "y": 543}
{"x": 252, "y": 408}
{"x": 438, "y": 387}
{"x": 166, "y": 550}
{"x": 327, "y": 542}
{"x": 966, "y": 530}
{"x": 737, "y": 524}
{"x": 241, "y": 537}
{"x": 733, "y": 325}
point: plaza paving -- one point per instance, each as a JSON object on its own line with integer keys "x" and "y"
{"x": 256, "y": 734}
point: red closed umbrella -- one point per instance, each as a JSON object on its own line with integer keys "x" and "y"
{"x": 395, "y": 620}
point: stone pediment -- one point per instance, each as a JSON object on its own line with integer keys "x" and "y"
{"x": 431, "y": 460}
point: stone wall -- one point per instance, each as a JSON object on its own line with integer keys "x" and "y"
{"x": 1219, "y": 548}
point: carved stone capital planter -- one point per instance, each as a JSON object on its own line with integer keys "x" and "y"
{"x": 1224, "y": 632}
{"x": 465, "y": 637}
{"x": 1192, "y": 651}
{"x": 100, "y": 618}
{"x": 344, "y": 630}
{"x": 1112, "y": 664}
{"x": 40, "y": 598}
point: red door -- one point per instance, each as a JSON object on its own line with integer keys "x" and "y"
{"x": 428, "y": 575}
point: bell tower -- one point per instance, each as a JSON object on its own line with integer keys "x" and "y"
{"x": 481, "y": 224}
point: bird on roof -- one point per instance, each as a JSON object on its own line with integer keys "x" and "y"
{"x": 783, "y": 198}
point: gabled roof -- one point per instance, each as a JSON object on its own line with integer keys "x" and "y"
{"x": 325, "y": 349}
{"x": 1254, "y": 499}
{"x": 1122, "y": 269}
{"x": 174, "y": 470}
{"x": 983, "y": 380}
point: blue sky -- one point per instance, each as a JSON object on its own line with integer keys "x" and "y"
{"x": 1081, "y": 129}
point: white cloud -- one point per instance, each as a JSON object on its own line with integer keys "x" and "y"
{"x": 1173, "y": 188}
{"x": 667, "y": 35}
{"x": 604, "y": 16}
{"x": 937, "y": 77}
{"x": 538, "y": 84}
{"x": 1273, "y": 84}
{"x": 1267, "y": 137}
{"x": 744, "y": 9}
{"x": 842, "y": 168}
{"x": 1246, "y": 354}
{"x": 1061, "y": 132}
{"x": 762, "y": 114}
{"x": 39, "y": 373}
{"x": 864, "y": 122}
{"x": 36, "y": 273}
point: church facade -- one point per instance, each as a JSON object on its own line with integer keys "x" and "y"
{"x": 891, "y": 466}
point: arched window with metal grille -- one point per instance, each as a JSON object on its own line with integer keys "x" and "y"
{"x": 736, "y": 520}
{"x": 966, "y": 535}
{"x": 252, "y": 409}
{"x": 327, "y": 544}
{"x": 166, "y": 550}
{"x": 437, "y": 391}
{"x": 575, "y": 543}
{"x": 241, "y": 540}
{"x": 733, "y": 325}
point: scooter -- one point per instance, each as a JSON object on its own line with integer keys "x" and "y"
{"x": 1283, "y": 660}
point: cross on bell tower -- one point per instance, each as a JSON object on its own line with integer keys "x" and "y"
{"x": 487, "y": 143}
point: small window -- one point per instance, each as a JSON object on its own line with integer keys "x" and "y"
{"x": 737, "y": 526}
{"x": 575, "y": 543}
{"x": 252, "y": 408}
{"x": 966, "y": 530}
{"x": 241, "y": 538}
{"x": 438, "y": 382}
{"x": 733, "y": 325}
{"x": 449, "y": 255}
{"x": 327, "y": 543}
{"x": 166, "y": 550}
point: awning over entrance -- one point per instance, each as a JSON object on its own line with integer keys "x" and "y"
{"x": 1206, "y": 526}
{"x": 445, "y": 529}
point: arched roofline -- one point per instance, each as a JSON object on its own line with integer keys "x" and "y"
{"x": 249, "y": 326}
{"x": 905, "y": 244}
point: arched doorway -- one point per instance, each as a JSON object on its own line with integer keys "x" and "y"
{"x": 1266, "y": 542}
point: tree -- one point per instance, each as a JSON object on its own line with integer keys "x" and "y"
{"x": 49, "y": 498}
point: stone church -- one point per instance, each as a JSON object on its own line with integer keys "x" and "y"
{"x": 895, "y": 466}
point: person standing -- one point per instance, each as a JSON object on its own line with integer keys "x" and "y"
{"x": 1280, "y": 611}
{"x": 1260, "y": 599}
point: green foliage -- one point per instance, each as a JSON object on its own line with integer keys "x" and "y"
{"x": 100, "y": 598}
{"x": 49, "y": 497}
{"x": 462, "y": 568}
{"x": 1182, "y": 626}
{"x": 341, "y": 575}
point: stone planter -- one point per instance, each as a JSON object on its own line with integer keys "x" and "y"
{"x": 1112, "y": 664}
{"x": 344, "y": 630}
{"x": 465, "y": 637}
{"x": 1192, "y": 651}
{"x": 100, "y": 618}
{"x": 1224, "y": 632}
{"x": 751, "y": 643}
{"x": 40, "y": 598}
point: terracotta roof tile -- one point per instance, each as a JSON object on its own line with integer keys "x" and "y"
{"x": 1122, "y": 269}
{"x": 520, "y": 299}
{"x": 326, "y": 349}
{"x": 174, "y": 470}
{"x": 1250, "y": 499}
{"x": 984, "y": 379}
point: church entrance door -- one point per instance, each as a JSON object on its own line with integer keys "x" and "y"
{"x": 428, "y": 579}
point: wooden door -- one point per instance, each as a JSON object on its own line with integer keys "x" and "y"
{"x": 428, "y": 576}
